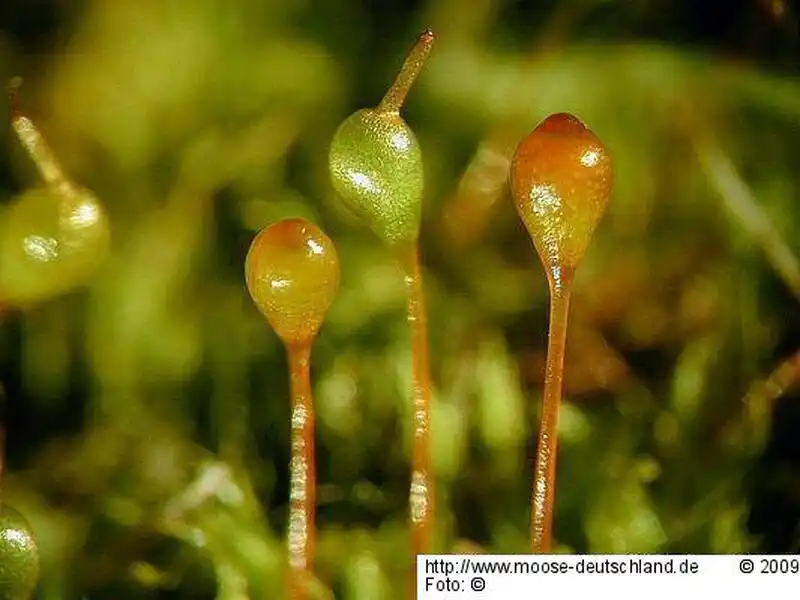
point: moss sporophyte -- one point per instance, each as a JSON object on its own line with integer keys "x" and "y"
{"x": 54, "y": 236}
{"x": 561, "y": 179}
{"x": 292, "y": 274}
{"x": 376, "y": 167}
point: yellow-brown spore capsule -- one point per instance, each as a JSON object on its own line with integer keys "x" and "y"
{"x": 561, "y": 178}
{"x": 292, "y": 274}
{"x": 51, "y": 239}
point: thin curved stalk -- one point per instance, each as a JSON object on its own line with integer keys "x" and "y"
{"x": 544, "y": 480}
{"x": 421, "y": 496}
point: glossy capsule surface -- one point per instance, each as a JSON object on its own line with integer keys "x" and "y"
{"x": 561, "y": 179}
{"x": 375, "y": 160}
{"x": 19, "y": 556}
{"x": 376, "y": 168}
{"x": 292, "y": 274}
{"x": 51, "y": 239}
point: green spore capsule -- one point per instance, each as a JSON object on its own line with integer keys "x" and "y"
{"x": 50, "y": 242}
{"x": 53, "y": 236}
{"x": 19, "y": 556}
{"x": 376, "y": 163}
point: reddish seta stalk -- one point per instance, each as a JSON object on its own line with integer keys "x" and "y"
{"x": 302, "y": 483}
{"x": 421, "y": 498}
{"x": 544, "y": 480}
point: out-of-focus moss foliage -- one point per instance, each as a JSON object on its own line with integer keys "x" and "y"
{"x": 148, "y": 424}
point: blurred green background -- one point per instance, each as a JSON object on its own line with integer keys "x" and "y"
{"x": 147, "y": 411}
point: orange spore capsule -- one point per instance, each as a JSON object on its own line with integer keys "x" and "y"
{"x": 292, "y": 274}
{"x": 561, "y": 178}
